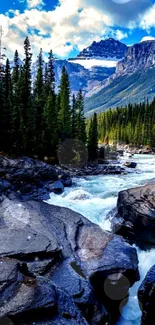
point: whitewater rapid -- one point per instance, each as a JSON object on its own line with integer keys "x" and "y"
{"x": 95, "y": 197}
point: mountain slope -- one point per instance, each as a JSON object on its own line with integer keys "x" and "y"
{"x": 133, "y": 88}
{"x": 133, "y": 81}
{"x": 86, "y": 79}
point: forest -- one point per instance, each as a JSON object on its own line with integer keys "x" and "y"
{"x": 34, "y": 119}
{"x": 134, "y": 124}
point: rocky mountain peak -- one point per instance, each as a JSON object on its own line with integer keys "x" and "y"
{"x": 109, "y": 48}
{"x": 139, "y": 56}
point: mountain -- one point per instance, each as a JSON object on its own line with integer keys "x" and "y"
{"x": 105, "y": 53}
{"x": 133, "y": 81}
{"x": 139, "y": 56}
{"x": 91, "y": 67}
{"x": 86, "y": 79}
{"x": 109, "y": 48}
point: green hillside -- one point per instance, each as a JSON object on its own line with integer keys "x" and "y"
{"x": 133, "y": 88}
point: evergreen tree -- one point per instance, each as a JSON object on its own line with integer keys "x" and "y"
{"x": 64, "y": 117}
{"x": 93, "y": 139}
{"x": 39, "y": 103}
{"x": 17, "y": 102}
{"x": 74, "y": 118}
{"x": 81, "y": 126}
{"x": 50, "y": 75}
{"x": 50, "y": 132}
{"x": 50, "y": 126}
{"x": 2, "y": 112}
{"x": 16, "y": 68}
{"x": 28, "y": 123}
{"x": 7, "y": 108}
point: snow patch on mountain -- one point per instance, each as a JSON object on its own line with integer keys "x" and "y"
{"x": 89, "y": 63}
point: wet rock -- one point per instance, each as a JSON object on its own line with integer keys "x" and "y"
{"x": 110, "y": 264}
{"x": 39, "y": 266}
{"x": 96, "y": 169}
{"x": 70, "y": 278}
{"x": 66, "y": 313}
{"x": 31, "y": 295}
{"x": 66, "y": 180}
{"x": 56, "y": 187}
{"x": 130, "y": 164}
{"x": 77, "y": 257}
{"x": 146, "y": 295}
{"x": 4, "y": 185}
{"x": 136, "y": 207}
{"x": 29, "y": 177}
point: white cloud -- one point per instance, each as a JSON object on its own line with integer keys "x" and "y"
{"x": 73, "y": 24}
{"x": 147, "y": 38}
{"x": 120, "y": 35}
{"x": 35, "y": 3}
{"x": 148, "y": 19}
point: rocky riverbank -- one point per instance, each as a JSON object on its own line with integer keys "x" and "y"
{"x": 135, "y": 221}
{"x": 31, "y": 178}
{"x": 142, "y": 150}
{"x": 36, "y": 180}
{"x": 56, "y": 267}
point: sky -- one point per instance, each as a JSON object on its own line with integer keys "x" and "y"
{"x": 69, "y": 26}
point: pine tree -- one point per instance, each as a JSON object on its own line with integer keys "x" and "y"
{"x": 39, "y": 103}
{"x": 16, "y": 111}
{"x": 50, "y": 126}
{"x": 64, "y": 117}
{"x": 2, "y": 99}
{"x": 81, "y": 126}
{"x": 93, "y": 139}
{"x": 50, "y": 132}
{"x": 27, "y": 113}
{"x": 16, "y": 68}
{"x": 74, "y": 118}
{"x": 7, "y": 108}
{"x": 50, "y": 75}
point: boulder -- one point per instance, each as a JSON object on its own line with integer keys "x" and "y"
{"x": 146, "y": 295}
{"x": 57, "y": 187}
{"x": 29, "y": 177}
{"x": 130, "y": 164}
{"x": 58, "y": 267}
{"x": 136, "y": 214}
{"x": 97, "y": 169}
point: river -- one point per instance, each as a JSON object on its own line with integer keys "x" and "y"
{"x": 95, "y": 197}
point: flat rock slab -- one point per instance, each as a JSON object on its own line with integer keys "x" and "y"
{"x": 32, "y": 294}
{"x": 136, "y": 207}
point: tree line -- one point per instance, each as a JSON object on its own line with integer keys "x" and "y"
{"x": 134, "y": 124}
{"x": 34, "y": 119}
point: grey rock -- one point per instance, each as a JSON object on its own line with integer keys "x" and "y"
{"x": 130, "y": 164}
{"x": 29, "y": 177}
{"x": 56, "y": 187}
{"x": 31, "y": 294}
{"x": 146, "y": 295}
{"x": 74, "y": 257}
{"x": 137, "y": 209}
{"x": 139, "y": 56}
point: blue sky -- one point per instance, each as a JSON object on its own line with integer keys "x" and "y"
{"x": 68, "y": 26}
